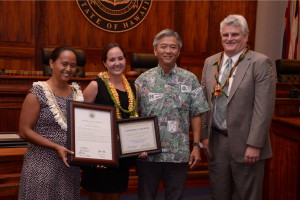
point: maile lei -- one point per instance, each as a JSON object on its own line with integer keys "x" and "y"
{"x": 115, "y": 96}
{"x": 218, "y": 88}
{"x": 59, "y": 117}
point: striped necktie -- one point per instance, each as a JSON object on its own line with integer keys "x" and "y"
{"x": 221, "y": 101}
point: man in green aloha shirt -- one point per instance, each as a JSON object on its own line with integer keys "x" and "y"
{"x": 173, "y": 95}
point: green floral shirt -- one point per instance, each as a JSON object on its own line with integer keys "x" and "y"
{"x": 174, "y": 98}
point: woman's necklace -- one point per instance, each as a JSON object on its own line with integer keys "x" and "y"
{"x": 115, "y": 96}
{"x": 59, "y": 117}
{"x": 218, "y": 88}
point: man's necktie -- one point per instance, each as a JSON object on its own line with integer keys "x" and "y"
{"x": 221, "y": 101}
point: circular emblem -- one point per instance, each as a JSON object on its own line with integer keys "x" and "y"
{"x": 92, "y": 115}
{"x": 115, "y": 15}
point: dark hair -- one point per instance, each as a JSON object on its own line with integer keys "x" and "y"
{"x": 108, "y": 47}
{"x": 167, "y": 33}
{"x": 58, "y": 50}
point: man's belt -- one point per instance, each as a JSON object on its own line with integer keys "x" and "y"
{"x": 223, "y": 132}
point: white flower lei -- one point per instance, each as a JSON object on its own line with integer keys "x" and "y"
{"x": 51, "y": 101}
{"x": 78, "y": 96}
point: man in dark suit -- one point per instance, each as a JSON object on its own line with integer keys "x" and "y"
{"x": 240, "y": 88}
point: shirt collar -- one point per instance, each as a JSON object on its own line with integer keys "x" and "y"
{"x": 172, "y": 72}
{"x": 234, "y": 58}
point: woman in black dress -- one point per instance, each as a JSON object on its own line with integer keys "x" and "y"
{"x": 110, "y": 88}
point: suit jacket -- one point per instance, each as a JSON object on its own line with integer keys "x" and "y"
{"x": 250, "y": 105}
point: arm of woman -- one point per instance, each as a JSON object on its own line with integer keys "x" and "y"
{"x": 28, "y": 118}
{"x": 90, "y": 92}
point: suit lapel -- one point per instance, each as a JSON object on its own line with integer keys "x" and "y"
{"x": 211, "y": 82}
{"x": 240, "y": 73}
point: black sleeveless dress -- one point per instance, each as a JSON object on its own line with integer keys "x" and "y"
{"x": 111, "y": 179}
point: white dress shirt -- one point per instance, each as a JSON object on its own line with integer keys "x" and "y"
{"x": 234, "y": 58}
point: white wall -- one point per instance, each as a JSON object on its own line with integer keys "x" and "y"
{"x": 270, "y": 28}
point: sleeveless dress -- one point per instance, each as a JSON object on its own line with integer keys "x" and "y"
{"x": 109, "y": 180}
{"x": 44, "y": 175}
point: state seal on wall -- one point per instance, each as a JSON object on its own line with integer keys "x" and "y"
{"x": 115, "y": 15}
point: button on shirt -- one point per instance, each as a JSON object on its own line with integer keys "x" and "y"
{"x": 223, "y": 126}
{"x": 174, "y": 98}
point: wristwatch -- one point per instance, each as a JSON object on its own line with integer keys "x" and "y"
{"x": 198, "y": 144}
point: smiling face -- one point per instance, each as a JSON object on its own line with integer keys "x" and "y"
{"x": 167, "y": 52}
{"x": 233, "y": 40}
{"x": 64, "y": 67}
{"x": 115, "y": 62}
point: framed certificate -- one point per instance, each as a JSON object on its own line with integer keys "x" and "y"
{"x": 92, "y": 134}
{"x": 138, "y": 135}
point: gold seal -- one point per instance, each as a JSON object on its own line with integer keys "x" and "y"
{"x": 115, "y": 15}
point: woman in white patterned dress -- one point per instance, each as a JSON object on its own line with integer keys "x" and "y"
{"x": 46, "y": 173}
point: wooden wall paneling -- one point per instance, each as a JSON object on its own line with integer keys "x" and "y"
{"x": 61, "y": 23}
{"x": 283, "y": 89}
{"x": 11, "y": 161}
{"x": 39, "y": 33}
{"x": 250, "y": 15}
{"x": 17, "y": 64}
{"x": 10, "y": 109}
{"x": 66, "y": 25}
{"x": 12, "y": 94}
{"x": 11, "y": 116}
{"x": 193, "y": 62}
{"x": 17, "y": 51}
{"x": 180, "y": 12}
{"x": 93, "y": 60}
{"x": 17, "y": 21}
{"x": 221, "y": 9}
{"x": 287, "y": 107}
{"x": 140, "y": 39}
{"x": 88, "y": 35}
{"x": 33, "y": 25}
{"x": 286, "y": 151}
{"x": 16, "y": 57}
{"x": 194, "y": 24}
{"x": 69, "y": 26}
{"x": 17, "y": 35}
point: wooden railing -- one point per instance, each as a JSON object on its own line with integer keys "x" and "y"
{"x": 282, "y": 175}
